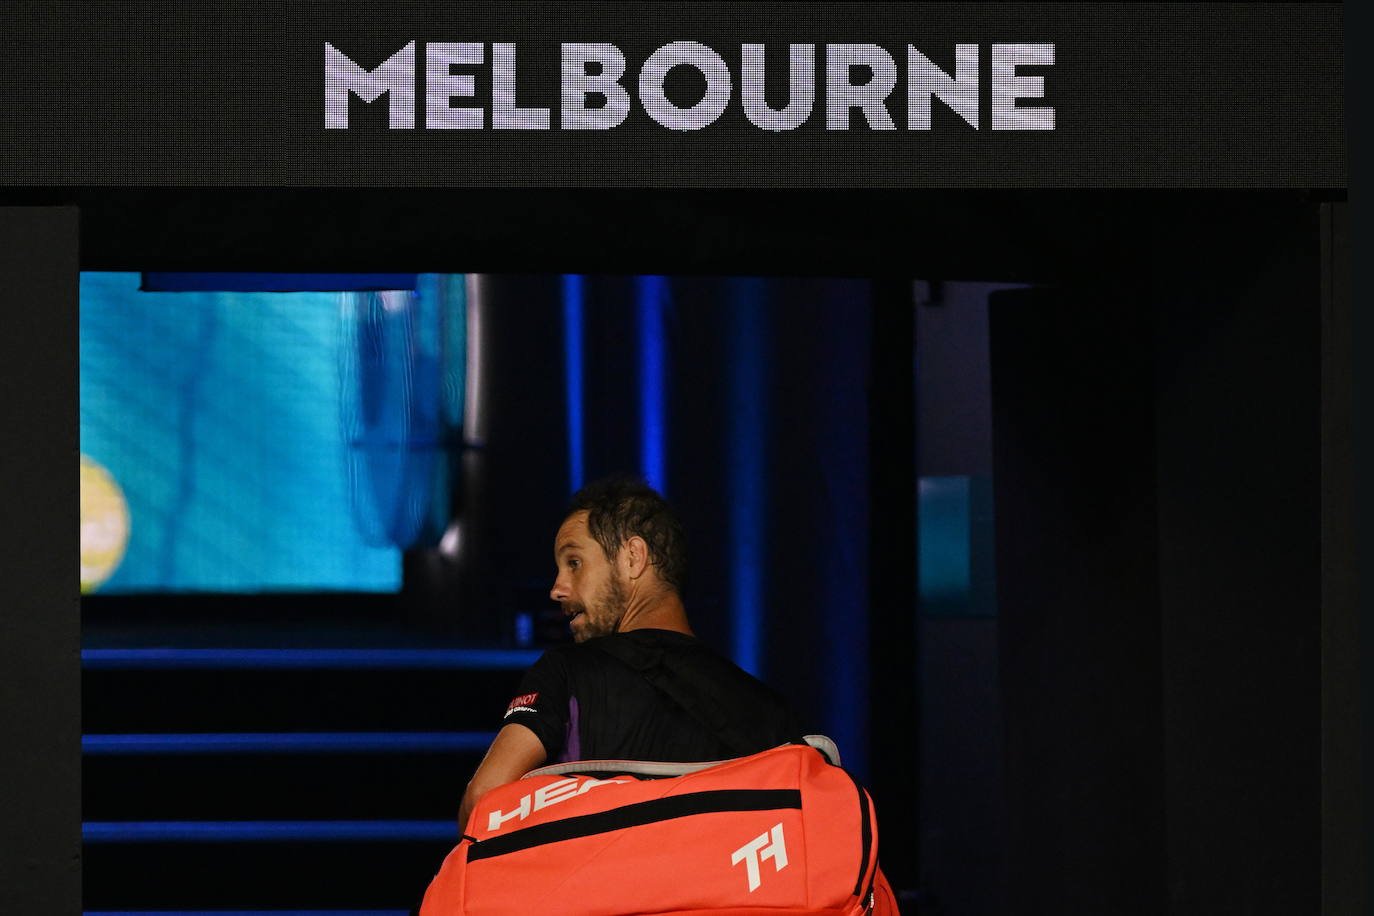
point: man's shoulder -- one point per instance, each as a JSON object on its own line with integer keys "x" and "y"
{"x": 643, "y": 637}
{"x": 685, "y": 656}
{"x": 645, "y": 645}
{"x": 648, "y": 636}
{"x": 599, "y": 650}
{"x": 639, "y": 649}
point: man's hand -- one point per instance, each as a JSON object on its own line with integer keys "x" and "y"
{"x": 515, "y": 752}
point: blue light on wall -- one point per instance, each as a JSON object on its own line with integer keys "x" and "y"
{"x": 747, "y": 344}
{"x": 287, "y": 743}
{"x": 393, "y": 369}
{"x": 844, "y": 497}
{"x": 651, "y": 301}
{"x": 944, "y": 539}
{"x": 957, "y": 576}
{"x": 573, "y": 348}
{"x": 162, "y": 659}
{"x": 411, "y": 831}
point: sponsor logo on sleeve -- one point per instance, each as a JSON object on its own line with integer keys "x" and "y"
{"x": 523, "y": 703}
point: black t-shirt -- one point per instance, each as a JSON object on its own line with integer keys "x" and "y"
{"x": 585, "y": 703}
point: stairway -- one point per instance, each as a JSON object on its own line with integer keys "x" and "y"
{"x": 286, "y": 780}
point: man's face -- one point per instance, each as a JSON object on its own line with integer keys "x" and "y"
{"x": 588, "y": 585}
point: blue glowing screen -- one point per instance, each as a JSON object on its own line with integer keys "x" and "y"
{"x": 218, "y": 414}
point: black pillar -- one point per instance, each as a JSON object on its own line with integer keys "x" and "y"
{"x": 892, "y": 578}
{"x": 40, "y": 627}
{"x": 1238, "y": 406}
{"x": 1078, "y": 602}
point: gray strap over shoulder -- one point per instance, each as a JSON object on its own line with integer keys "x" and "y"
{"x": 658, "y": 769}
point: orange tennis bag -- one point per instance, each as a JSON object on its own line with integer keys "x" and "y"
{"x": 780, "y": 832}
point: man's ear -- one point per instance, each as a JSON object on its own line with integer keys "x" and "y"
{"x": 636, "y": 554}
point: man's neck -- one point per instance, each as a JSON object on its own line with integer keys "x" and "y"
{"x": 661, "y": 612}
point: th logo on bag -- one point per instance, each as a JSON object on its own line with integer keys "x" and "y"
{"x": 760, "y": 848}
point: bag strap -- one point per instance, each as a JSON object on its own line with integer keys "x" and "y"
{"x": 657, "y": 769}
{"x": 651, "y": 664}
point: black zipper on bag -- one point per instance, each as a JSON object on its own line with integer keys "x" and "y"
{"x": 865, "y": 834}
{"x": 639, "y": 814}
{"x": 872, "y": 900}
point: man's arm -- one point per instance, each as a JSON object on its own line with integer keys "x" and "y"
{"x": 515, "y": 752}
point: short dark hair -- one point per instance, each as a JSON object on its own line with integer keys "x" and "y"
{"x": 624, "y": 506}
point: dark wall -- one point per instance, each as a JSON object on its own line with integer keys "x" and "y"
{"x": 1078, "y": 618}
{"x": 40, "y": 710}
{"x": 1157, "y": 460}
{"x": 1238, "y": 331}
{"x": 962, "y": 808}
